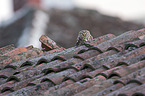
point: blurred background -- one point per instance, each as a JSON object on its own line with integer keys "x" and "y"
{"x": 22, "y": 22}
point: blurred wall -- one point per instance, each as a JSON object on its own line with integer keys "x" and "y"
{"x": 60, "y": 4}
{"x": 6, "y": 10}
{"x": 18, "y": 4}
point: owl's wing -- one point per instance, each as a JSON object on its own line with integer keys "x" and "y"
{"x": 78, "y": 42}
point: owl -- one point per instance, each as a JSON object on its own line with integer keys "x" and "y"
{"x": 83, "y": 37}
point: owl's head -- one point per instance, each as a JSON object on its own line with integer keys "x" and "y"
{"x": 84, "y": 33}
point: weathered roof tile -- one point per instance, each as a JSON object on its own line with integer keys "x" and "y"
{"x": 133, "y": 90}
{"x": 124, "y": 88}
{"x": 99, "y": 40}
{"x": 15, "y": 51}
{"x": 108, "y": 65}
{"x": 6, "y": 49}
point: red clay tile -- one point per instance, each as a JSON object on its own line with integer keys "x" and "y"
{"x": 87, "y": 62}
{"x": 142, "y": 44}
{"x": 65, "y": 57}
{"x": 105, "y": 54}
{"x": 77, "y": 87}
{"x": 2, "y": 80}
{"x": 124, "y": 46}
{"x": 23, "y": 91}
{"x": 7, "y": 90}
{"x": 50, "y": 57}
{"x": 85, "y": 70}
{"x": 117, "y": 48}
{"x": 64, "y": 53}
{"x": 132, "y": 90}
{"x": 141, "y": 92}
{"x": 78, "y": 75}
{"x": 2, "y": 58}
{"x": 54, "y": 51}
{"x": 131, "y": 76}
{"x": 38, "y": 57}
{"x": 68, "y": 82}
{"x": 29, "y": 47}
{"x": 132, "y": 60}
{"x": 108, "y": 90}
{"x": 21, "y": 56}
{"x": 6, "y": 72}
{"x": 16, "y": 51}
{"x": 54, "y": 65}
{"x": 108, "y": 72}
{"x": 6, "y": 49}
{"x": 124, "y": 88}
{"x": 87, "y": 54}
{"x": 96, "y": 88}
{"x": 56, "y": 78}
{"x": 99, "y": 40}
{"x": 33, "y": 90}
{"x": 47, "y": 43}
{"x": 113, "y": 60}
{"x": 139, "y": 80}
{"x": 37, "y": 69}
{"x": 128, "y": 36}
{"x": 137, "y": 43}
{"x": 61, "y": 66}
{"x": 96, "y": 72}
{"x": 129, "y": 69}
{"x": 18, "y": 85}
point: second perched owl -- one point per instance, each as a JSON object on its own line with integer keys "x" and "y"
{"x": 83, "y": 37}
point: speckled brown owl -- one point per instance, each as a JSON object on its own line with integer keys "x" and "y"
{"x": 83, "y": 37}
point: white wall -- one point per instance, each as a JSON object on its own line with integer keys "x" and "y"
{"x": 6, "y": 9}
{"x": 61, "y": 4}
{"x": 125, "y": 9}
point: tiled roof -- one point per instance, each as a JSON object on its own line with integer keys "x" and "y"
{"x": 108, "y": 65}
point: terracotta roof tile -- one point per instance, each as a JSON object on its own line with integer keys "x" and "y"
{"x": 129, "y": 69}
{"x": 110, "y": 72}
{"x": 96, "y": 88}
{"x": 6, "y": 72}
{"x": 125, "y": 37}
{"x": 20, "y": 56}
{"x": 134, "y": 90}
{"x": 47, "y": 43}
{"x": 107, "y": 65}
{"x": 81, "y": 65}
{"x": 15, "y": 51}
{"x": 99, "y": 40}
{"x": 87, "y": 54}
{"x": 108, "y": 90}
{"x": 124, "y": 88}
{"x": 76, "y": 87}
{"x": 78, "y": 75}
{"x": 141, "y": 92}
{"x": 63, "y": 84}
{"x": 6, "y": 49}
{"x": 115, "y": 59}
{"x": 124, "y": 80}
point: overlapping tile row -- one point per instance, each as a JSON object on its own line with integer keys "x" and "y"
{"x": 18, "y": 69}
{"x": 6, "y": 49}
{"x": 62, "y": 55}
{"x": 107, "y": 65}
